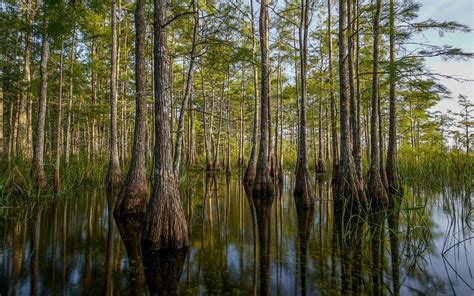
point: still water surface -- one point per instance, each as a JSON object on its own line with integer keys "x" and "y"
{"x": 241, "y": 246}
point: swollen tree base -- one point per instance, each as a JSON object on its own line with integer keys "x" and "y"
{"x": 250, "y": 172}
{"x": 114, "y": 175}
{"x": 348, "y": 186}
{"x": 376, "y": 189}
{"x": 263, "y": 185}
{"x": 303, "y": 190}
{"x": 133, "y": 197}
{"x": 166, "y": 226}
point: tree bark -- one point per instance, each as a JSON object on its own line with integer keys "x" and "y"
{"x": 335, "y": 149}
{"x": 376, "y": 189}
{"x": 166, "y": 226}
{"x": 348, "y": 185}
{"x": 187, "y": 93}
{"x": 71, "y": 88}
{"x": 263, "y": 184}
{"x": 133, "y": 196}
{"x": 251, "y": 170}
{"x": 394, "y": 180}
{"x": 114, "y": 174}
{"x": 38, "y": 151}
{"x": 57, "y": 175}
{"x": 303, "y": 190}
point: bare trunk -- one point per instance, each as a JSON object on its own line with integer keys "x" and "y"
{"x": 57, "y": 175}
{"x": 166, "y": 226}
{"x": 376, "y": 189}
{"x": 263, "y": 184}
{"x": 251, "y": 170}
{"x": 348, "y": 185}
{"x": 38, "y": 151}
{"x": 303, "y": 190}
{"x": 71, "y": 88}
{"x": 394, "y": 180}
{"x": 187, "y": 93}
{"x": 114, "y": 174}
{"x": 332, "y": 101}
{"x": 133, "y": 197}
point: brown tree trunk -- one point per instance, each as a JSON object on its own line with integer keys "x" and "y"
{"x": 303, "y": 190}
{"x": 57, "y": 175}
{"x": 348, "y": 185}
{"x": 251, "y": 170}
{"x": 376, "y": 189}
{"x": 114, "y": 174}
{"x": 166, "y": 226}
{"x": 69, "y": 111}
{"x": 320, "y": 165}
{"x": 38, "y": 151}
{"x": 394, "y": 180}
{"x": 187, "y": 93}
{"x": 357, "y": 140}
{"x": 334, "y": 146}
{"x": 263, "y": 184}
{"x": 133, "y": 196}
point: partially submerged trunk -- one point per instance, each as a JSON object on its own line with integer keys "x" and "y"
{"x": 38, "y": 152}
{"x": 165, "y": 226}
{"x": 134, "y": 194}
{"x": 376, "y": 189}
{"x": 303, "y": 190}
{"x": 114, "y": 173}
{"x": 263, "y": 184}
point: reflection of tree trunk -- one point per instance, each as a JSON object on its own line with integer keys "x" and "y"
{"x": 109, "y": 258}
{"x": 248, "y": 191}
{"x": 376, "y": 224}
{"x": 53, "y": 243}
{"x": 163, "y": 269}
{"x": 34, "y": 264}
{"x": 130, "y": 227}
{"x": 305, "y": 217}
{"x": 262, "y": 207}
{"x": 393, "y": 222}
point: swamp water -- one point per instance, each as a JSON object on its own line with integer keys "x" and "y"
{"x": 243, "y": 246}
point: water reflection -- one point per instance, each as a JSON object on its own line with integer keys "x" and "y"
{"x": 239, "y": 244}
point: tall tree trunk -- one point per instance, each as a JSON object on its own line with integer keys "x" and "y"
{"x": 187, "y": 93}
{"x": 57, "y": 175}
{"x": 204, "y": 124}
{"x": 320, "y": 165}
{"x": 332, "y": 100}
{"x": 166, "y": 226}
{"x": 251, "y": 170}
{"x": 348, "y": 185}
{"x": 38, "y": 151}
{"x": 71, "y": 88}
{"x": 241, "y": 160}
{"x": 133, "y": 197}
{"x": 303, "y": 190}
{"x": 376, "y": 189}
{"x": 394, "y": 180}
{"x": 352, "y": 88}
{"x": 263, "y": 184}
{"x": 114, "y": 174}
{"x": 357, "y": 140}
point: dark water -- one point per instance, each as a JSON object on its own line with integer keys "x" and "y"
{"x": 242, "y": 246}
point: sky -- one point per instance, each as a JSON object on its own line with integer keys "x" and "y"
{"x": 461, "y": 11}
